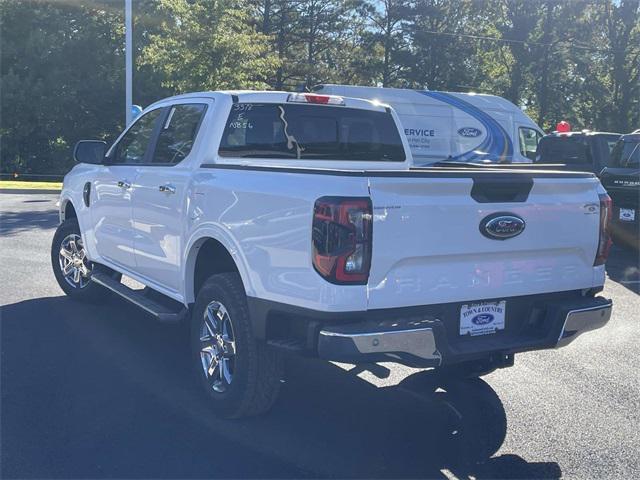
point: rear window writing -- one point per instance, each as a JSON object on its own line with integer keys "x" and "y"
{"x": 312, "y": 132}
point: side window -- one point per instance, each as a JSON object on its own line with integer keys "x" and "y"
{"x": 178, "y": 133}
{"x": 631, "y": 154}
{"x": 625, "y": 154}
{"x": 132, "y": 147}
{"x": 529, "y": 139}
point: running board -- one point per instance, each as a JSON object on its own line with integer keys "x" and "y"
{"x": 163, "y": 313}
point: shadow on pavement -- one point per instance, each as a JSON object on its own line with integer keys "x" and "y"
{"x": 103, "y": 391}
{"x": 623, "y": 266}
{"x": 12, "y": 223}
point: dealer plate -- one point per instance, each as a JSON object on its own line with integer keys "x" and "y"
{"x": 482, "y": 318}
{"x": 627, "y": 214}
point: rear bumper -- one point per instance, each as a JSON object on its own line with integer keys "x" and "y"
{"x": 433, "y": 341}
{"x": 583, "y": 320}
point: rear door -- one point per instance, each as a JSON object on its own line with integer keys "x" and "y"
{"x": 160, "y": 194}
{"x": 430, "y": 244}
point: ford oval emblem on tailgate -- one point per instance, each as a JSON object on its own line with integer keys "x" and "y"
{"x": 500, "y": 226}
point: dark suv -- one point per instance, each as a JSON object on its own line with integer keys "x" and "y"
{"x": 622, "y": 181}
{"x": 582, "y": 151}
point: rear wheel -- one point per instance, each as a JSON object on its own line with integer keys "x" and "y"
{"x": 70, "y": 265}
{"x": 240, "y": 375}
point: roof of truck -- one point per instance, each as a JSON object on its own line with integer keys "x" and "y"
{"x": 586, "y": 133}
{"x": 267, "y": 96}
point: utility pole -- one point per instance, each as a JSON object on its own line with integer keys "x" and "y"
{"x": 128, "y": 59}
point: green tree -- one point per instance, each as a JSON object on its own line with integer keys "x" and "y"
{"x": 443, "y": 57}
{"x": 388, "y": 38}
{"x": 62, "y": 80}
{"x": 280, "y": 21}
{"x": 622, "y": 33}
{"x": 555, "y": 87}
{"x": 209, "y": 44}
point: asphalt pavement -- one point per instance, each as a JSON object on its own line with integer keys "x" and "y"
{"x": 98, "y": 391}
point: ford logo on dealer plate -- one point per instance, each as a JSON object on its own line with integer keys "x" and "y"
{"x": 501, "y": 226}
{"x": 482, "y": 319}
{"x": 469, "y": 132}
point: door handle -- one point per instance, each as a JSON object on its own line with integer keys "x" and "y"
{"x": 124, "y": 184}
{"x": 167, "y": 188}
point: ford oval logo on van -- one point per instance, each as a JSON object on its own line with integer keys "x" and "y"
{"x": 469, "y": 132}
{"x": 501, "y": 226}
{"x": 482, "y": 319}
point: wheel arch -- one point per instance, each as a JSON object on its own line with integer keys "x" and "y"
{"x": 67, "y": 209}
{"x": 208, "y": 254}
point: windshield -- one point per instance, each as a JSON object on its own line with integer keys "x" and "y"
{"x": 312, "y": 132}
{"x": 626, "y": 154}
{"x": 563, "y": 149}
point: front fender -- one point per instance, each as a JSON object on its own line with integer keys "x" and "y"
{"x": 63, "y": 201}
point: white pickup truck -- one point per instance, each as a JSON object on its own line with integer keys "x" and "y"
{"x": 277, "y": 222}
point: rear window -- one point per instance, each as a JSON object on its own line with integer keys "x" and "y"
{"x": 611, "y": 141}
{"x": 311, "y": 132}
{"x": 563, "y": 149}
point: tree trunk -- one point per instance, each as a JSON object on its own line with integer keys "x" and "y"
{"x": 266, "y": 18}
{"x": 387, "y": 45}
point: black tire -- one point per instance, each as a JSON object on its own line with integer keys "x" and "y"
{"x": 255, "y": 369}
{"x": 85, "y": 290}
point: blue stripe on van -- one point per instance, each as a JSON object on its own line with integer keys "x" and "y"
{"x": 496, "y": 145}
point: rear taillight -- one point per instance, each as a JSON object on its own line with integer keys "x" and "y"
{"x": 604, "y": 243}
{"x": 342, "y": 239}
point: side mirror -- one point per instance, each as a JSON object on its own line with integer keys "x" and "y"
{"x": 90, "y": 151}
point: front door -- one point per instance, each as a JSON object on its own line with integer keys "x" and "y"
{"x": 111, "y": 197}
{"x": 160, "y": 196}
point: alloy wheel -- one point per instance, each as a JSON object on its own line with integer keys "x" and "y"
{"x": 217, "y": 347}
{"x": 73, "y": 261}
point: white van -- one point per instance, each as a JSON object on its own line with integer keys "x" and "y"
{"x": 463, "y": 127}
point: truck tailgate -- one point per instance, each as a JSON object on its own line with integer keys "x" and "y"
{"x": 428, "y": 245}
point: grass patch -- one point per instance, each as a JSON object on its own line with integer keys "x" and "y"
{"x": 15, "y": 185}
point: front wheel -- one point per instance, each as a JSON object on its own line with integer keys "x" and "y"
{"x": 70, "y": 265}
{"x": 240, "y": 375}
